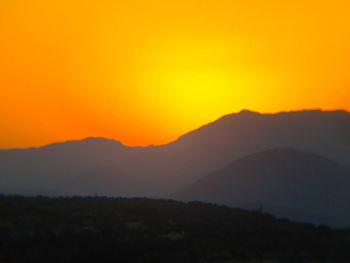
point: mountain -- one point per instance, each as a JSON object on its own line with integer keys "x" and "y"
{"x": 288, "y": 183}
{"x": 111, "y": 168}
{"x": 59, "y": 165}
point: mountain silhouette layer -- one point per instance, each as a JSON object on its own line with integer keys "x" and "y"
{"x": 107, "y": 167}
{"x": 129, "y": 230}
{"x": 286, "y": 182}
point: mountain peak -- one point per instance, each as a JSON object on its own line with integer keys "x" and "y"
{"x": 100, "y": 140}
{"x": 92, "y": 141}
{"x": 290, "y": 183}
{"x": 280, "y": 155}
{"x": 245, "y": 111}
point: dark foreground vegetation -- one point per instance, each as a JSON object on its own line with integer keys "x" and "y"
{"x": 95, "y": 229}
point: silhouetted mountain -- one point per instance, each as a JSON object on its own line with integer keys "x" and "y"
{"x": 64, "y": 230}
{"x": 286, "y": 182}
{"x": 233, "y": 136}
{"x": 111, "y": 168}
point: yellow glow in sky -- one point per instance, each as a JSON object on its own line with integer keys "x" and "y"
{"x": 145, "y": 72}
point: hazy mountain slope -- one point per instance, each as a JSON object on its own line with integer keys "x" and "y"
{"x": 215, "y": 145}
{"x": 287, "y": 182}
{"x": 54, "y": 165}
{"x": 108, "y": 167}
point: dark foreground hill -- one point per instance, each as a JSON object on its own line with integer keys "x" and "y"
{"x": 77, "y": 229}
{"x": 110, "y": 168}
{"x": 286, "y": 182}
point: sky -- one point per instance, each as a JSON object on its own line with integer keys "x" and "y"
{"x": 146, "y": 72}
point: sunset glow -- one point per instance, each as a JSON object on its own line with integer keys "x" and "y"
{"x": 146, "y": 72}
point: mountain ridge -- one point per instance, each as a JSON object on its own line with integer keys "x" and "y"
{"x": 289, "y": 183}
{"x": 223, "y": 117}
{"x": 96, "y": 164}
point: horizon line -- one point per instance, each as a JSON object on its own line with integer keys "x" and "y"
{"x": 154, "y": 145}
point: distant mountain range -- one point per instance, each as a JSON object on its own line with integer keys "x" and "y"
{"x": 286, "y": 182}
{"x": 107, "y": 167}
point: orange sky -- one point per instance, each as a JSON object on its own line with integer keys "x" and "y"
{"x": 145, "y": 72}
